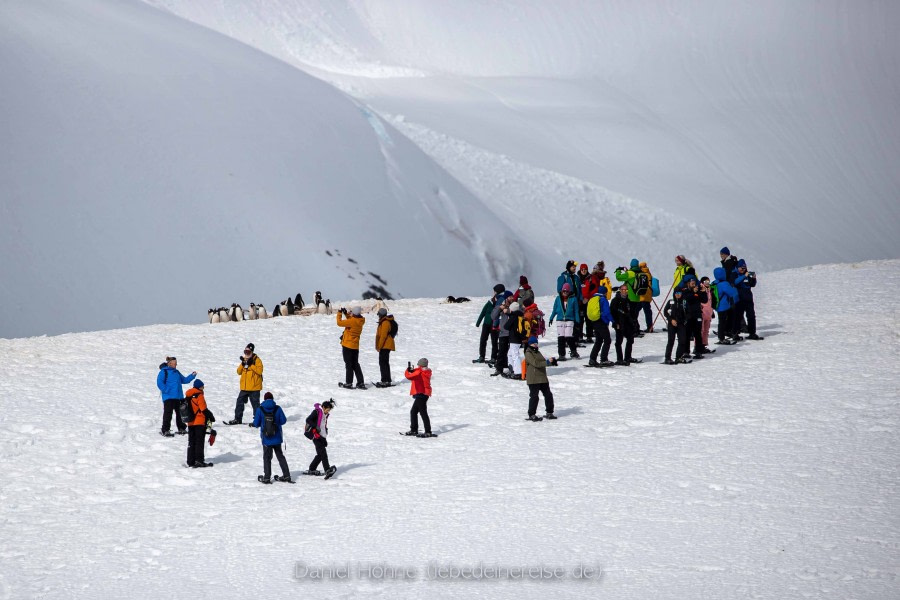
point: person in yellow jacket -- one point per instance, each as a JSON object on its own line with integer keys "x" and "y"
{"x": 352, "y": 323}
{"x": 384, "y": 343}
{"x": 682, "y": 267}
{"x": 251, "y": 372}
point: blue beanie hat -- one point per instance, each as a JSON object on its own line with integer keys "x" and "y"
{"x": 601, "y": 290}
{"x": 634, "y": 263}
{"x": 742, "y": 263}
{"x": 688, "y": 277}
{"x": 725, "y": 250}
{"x": 532, "y": 340}
{"x": 198, "y": 384}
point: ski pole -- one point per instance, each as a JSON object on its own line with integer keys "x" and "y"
{"x": 664, "y": 302}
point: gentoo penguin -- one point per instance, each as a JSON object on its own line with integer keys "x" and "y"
{"x": 261, "y": 311}
{"x": 251, "y": 314}
{"x": 224, "y": 317}
{"x": 290, "y": 306}
{"x": 237, "y": 313}
{"x": 278, "y": 309}
{"x": 328, "y": 306}
{"x": 209, "y": 315}
{"x": 298, "y": 302}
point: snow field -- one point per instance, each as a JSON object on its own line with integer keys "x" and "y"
{"x": 767, "y": 470}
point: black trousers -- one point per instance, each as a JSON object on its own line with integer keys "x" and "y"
{"x": 488, "y": 331}
{"x": 747, "y": 309}
{"x": 170, "y": 406}
{"x": 677, "y": 333}
{"x": 419, "y": 407}
{"x": 602, "y": 340}
{"x": 384, "y": 363}
{"x": 351, "y": 366}
{"x": 267, "y": 461}
{"x": 533, "y": 389}
{"x": 502, "y": 350}
{"x": 635, "y": 311}
{"x": 694, "y": 332}
{"x": 196, "y": 438}
{"x": 725, "y": 323}
{"x": 321, "y": 454}
{"x": 242, "y": 398}
{"x": 648, "y": 313}
{"x": 562, "y": 342}
{"x": 628, "y": 337}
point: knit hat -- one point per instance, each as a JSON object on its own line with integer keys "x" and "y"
{"x": 250, "y": 347}
{"x": 522, "y": 280}
{"x": 423, "y": 362}
{"x": 601, "y": 290}
{"x": 198, "y": 384}
{"x": 635, "y": 263}
{"x": 570, "y": 264}
{"x": 566, "y": 287}
{"x": 499, "y": 288}
{"x": 532, "y": 340}
{"x": 725, "y": 250}
{"x": 357, "y": 310}
{"x": 688, "y": 277}
{"x": 583, "y": 267}
{"x": 382, "y": 312}
{"x": 268, "y": 396}
{"x": 742, "y": 263}
{"x": 514, "y": 307}
{"x": 601, "y": 266}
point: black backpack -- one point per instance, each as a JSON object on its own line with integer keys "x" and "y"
{"x": 394, "y": 328}
{"x": 641, "y": 283}
{"x": 270, "y": 427}
{"x": 186, "y": 409}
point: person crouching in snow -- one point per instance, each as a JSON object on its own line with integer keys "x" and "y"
{"x": 317, "y": 431}
{"x": 269, "y": 418}
{"x": 197, "y": 427}
{"x": 420, "y": 390}
{"x": 536, "y": 378}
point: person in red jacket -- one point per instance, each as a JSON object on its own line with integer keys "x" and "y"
{"x": 420, "y": 390}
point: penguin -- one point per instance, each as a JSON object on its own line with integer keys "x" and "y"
{"x": 277, "y": 311}
{"x": 328, "y": 306}
{"x": 224, "y": 317}
{"x": 209, "y": 315}
{"x": 318, "y": 300}
{"x": 290, "y": 306}
{"x": 251, "y": 314}
{"x": 238, "y": 312}
{"x": 261, "y": 312}
{"x": 298, "y": 302}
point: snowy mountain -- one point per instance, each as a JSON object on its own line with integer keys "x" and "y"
{"x": 768, "y": 470}
{"x": 152, "y": 168}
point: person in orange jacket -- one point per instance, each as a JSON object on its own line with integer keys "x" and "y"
{"x": 197, "y": 427}
{"x": 384, "y": 343}
{"x": 420, "y": 390}
{"x": 352, "y": 323}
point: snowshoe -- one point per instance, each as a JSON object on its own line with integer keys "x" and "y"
{"x": 755, "y": 337}
{"x": 411, "y": 432}
{"x": 362, "y": 386}
{"x": 592, "y": 363}
{"x": 427, "y": 434}
{"x": 683, "y": 361}
{"x": 668, "y": 361}
{"x": 635, "y": 360}
{"x": 384, "y": 384}
{"x": 284, "y": 479}
{"x": 622, "y": 363}
{"x": 166, "y": 434}
{"x": 201, "y": 465}
{"x": 316, "y": 473}
{"x": 562, "y": 359}
{"x": 550, "y": 416}
{"x": 234, "y": 422}
{"x": 478, "y": 360}
{"x": 330, "y": 472}
{"x": 346, "y": 386}
{"x": 606, "y": 363}
{"x": 495, "y": 373}
{"x": 724, "y": 343}
{"x": 738, "y": 338}
{"x": 574, "y": 355}
{"x": 534, "y": 418}
{"x": 262, "y": 479}
{"x": 182, "y": 432}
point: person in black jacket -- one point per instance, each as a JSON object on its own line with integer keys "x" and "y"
{"x": 515, "y": 325}
{"x": 675, "y": 313}
{"x": 745, "y": 281}
{"x": 729, "y": 263}
{"x": 694, "y": 298}
{"x": 620, "y": 308}
{"x": 317, "y": 430}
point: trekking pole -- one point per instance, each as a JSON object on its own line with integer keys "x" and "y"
{"x": 663, "y": 302}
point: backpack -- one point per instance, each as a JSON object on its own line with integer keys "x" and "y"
{"x": 593, "y": 309}
{"x": 654, "y": 285}
{"x": 394, "y": 328}
{"x": 270, "y": 427}
{"x": 186, "y": 410}
{"x": 641, "y": 283}
{"x": 538, "y": 325}
{"x": 714, "y": 288}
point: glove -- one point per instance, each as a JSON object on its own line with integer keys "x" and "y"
{"x": 249, "y": 424}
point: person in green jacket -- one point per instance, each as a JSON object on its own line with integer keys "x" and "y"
{"x": 487, "y": 327}
{"x": 628, "y": 277}
{"x": 536, "y": 378}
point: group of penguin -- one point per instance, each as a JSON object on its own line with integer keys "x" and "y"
{"x": 258, "y": 311}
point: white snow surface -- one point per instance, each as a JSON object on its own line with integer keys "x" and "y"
{"x": 151, "y": 169}
{"x": 768, "y": 470}
{"x": 770, "y": 124}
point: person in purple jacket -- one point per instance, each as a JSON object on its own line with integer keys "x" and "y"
{"x": 317, "y": 431}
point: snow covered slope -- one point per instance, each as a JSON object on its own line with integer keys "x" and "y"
{"x": 151, "y": 168}
{"x": 772, "y": 125}
{"x": 769, "y": 470}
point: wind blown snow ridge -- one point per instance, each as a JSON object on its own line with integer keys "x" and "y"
{"x": 769, "y": 469}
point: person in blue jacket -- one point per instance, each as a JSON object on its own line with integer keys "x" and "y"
{"x": 571, "y": 277}
{"x": 271, "y": 440}
{"x": 568, "y": 313}
{"x": 602, "y": 339}
{"x": 728, "y": 297}
{"x": 169, "y": 382}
